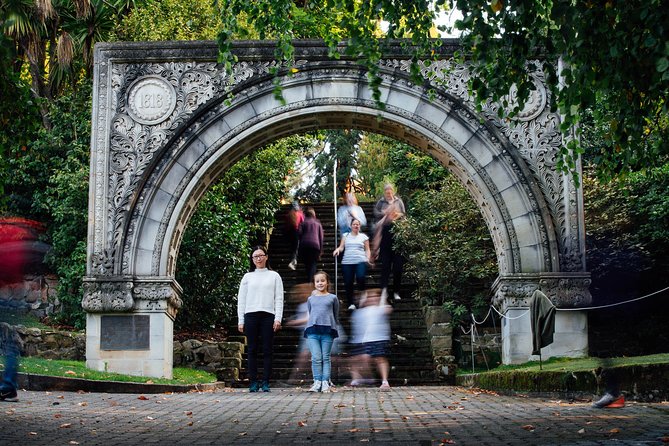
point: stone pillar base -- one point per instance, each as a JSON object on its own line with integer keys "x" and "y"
{"x": 139, "y": 343}
{"x": 570, "y": 339}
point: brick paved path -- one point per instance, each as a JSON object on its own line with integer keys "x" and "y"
{"x": 404, "y": 416}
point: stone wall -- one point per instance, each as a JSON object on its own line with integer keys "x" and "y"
{"x": 224, "y": 359}
{"x": 440, "y": 333}
{"x": 49, "y": 344}
{"x": 37, "y": 293}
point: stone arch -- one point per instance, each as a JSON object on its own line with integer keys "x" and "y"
{"x": 516, "y": 215}
{"x": 166, "y": 128}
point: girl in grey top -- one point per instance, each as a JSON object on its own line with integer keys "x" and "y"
{"x": 323, "y": 308}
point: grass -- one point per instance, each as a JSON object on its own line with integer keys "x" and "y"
{"x": 576, "y": 365}
{"x": 77, "y": 369}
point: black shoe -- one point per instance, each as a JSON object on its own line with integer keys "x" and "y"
{"x": 254, "y": 386}
{"x": 265, "y": 386}
{"x": 8, "y": 395}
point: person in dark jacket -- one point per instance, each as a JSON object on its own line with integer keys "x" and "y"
{"x": 311, "y": 242}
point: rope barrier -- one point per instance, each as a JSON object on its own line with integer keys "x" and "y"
{"x": 610, "y": 305}
{"x": 492, "y": 307}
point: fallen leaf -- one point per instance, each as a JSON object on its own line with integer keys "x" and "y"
{"x": 57, "y": 415}
{"x": 528, "y": 427}
{"x": 376, "y": 429}
{"x": 149, "y": 382}
{"x": 404, "y": 417}
{"x": 32, "y": 433}
{"x": 70, "y": 372}
{"x": 81, "y": 392}
{"x": 65, "y": 425}
{"x": 83, "y": 404}
{"x": 410, "y": 397}
{"x": 355, "y": 429}
{"x": 387, "y": 420}
{"x": 189, "y": 413}
{"x": 447, "y": 441}
{"x": 340, "y": 405}
{"x": 241, "y": 434}
{"x": 336, "y": 422}
{"x": 142, "y": 397}
{"x": 581, "y": 431}
{"x": 150, "y": 418}
{"x": 61, "y": 397}
{"x": 73, "y": 442}
{"x": 664, "y": 439}
{"x": 190, "y": 423}
{"x": 301, "y": 423}
{"x": 615, "y": 430}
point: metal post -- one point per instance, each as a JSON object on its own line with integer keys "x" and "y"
{"x": 334, "y": 203}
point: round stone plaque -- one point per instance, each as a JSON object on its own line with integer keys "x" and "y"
{"x": 151, "y": 100}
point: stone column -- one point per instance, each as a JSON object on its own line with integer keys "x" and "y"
{"x": 512, "y": 294}
{"x": 129, "y": 326}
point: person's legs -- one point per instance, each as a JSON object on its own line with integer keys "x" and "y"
{"x": 314, "y": 342}
{"x": 398, "y": 266}
{"x": 252, "y": 332}
{"x": 326, "y": 350}
{"x": 9, "y": 386}
{"x": 310, "y": 262}
{"x": 267, "y": 333}
{"x": 348, "y": 271}
{"x": 361, "y": 276}
{"x": 386, "y": 265}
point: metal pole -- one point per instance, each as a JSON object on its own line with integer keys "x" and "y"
{"x": 334, "y": 203}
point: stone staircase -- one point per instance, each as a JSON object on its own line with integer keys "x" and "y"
{"x": 411, "y": 358}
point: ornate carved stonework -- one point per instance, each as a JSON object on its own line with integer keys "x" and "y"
{"x": 107, "y": 296}
{"x": 158, "y": 296}
{"x": 143, "y": 104}
{"x": 565, "y": 290}
{"x": 536, "y": 134}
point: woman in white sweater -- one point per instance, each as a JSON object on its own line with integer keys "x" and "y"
{"x": 260, "y": 310}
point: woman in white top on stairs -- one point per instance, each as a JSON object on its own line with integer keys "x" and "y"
{"x": 260, "y": 310}
{"x": 357, "y": 255}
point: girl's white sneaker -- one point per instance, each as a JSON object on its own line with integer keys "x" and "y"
{"x": 316, "y": 387}
{"x": 325, "y": 387}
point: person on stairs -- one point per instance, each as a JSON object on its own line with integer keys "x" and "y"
{"x": 357, "y": 255}
{"x": 259, "y": 312}
{"x": 321, "y": 330}
{"x": 311, "y": 243}
{"x": 384, "y": 250}
{"x": 347, "y": 212}
{"x": 294, "y": 218}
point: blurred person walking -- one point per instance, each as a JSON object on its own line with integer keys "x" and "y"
{"x": 384, "y": 250}
{"x": 311, "y": 243}
{"x": 357, "y": 254}
{"x": 348, "y": 211}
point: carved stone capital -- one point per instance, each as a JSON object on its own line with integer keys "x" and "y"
{"x": 158, "y": 295}
{"x": 122, "y": 294}
{"x": 107, "y": 295}
{"x": 565, "y": 290}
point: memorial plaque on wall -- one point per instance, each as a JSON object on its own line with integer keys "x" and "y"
{"x": 125, "y": 332}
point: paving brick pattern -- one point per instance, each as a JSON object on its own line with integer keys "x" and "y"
{"x": 404, "y": 416}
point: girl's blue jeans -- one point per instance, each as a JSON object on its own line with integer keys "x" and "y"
{"x": 320, "y": 346}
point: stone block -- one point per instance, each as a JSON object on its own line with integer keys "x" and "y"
{"x": 441, "y": 329}
{"x": 441, "y": 344}
{"x": 436, "y": 315}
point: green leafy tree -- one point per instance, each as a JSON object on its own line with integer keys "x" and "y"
{"x": 211, "y": 263}
{"x": 614, "y": 50}
{"x": 180, "y": 20}
{"x": 340, "y": 147}
{"x": 449, "y": 250}
{"x": 65, "y": 199}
